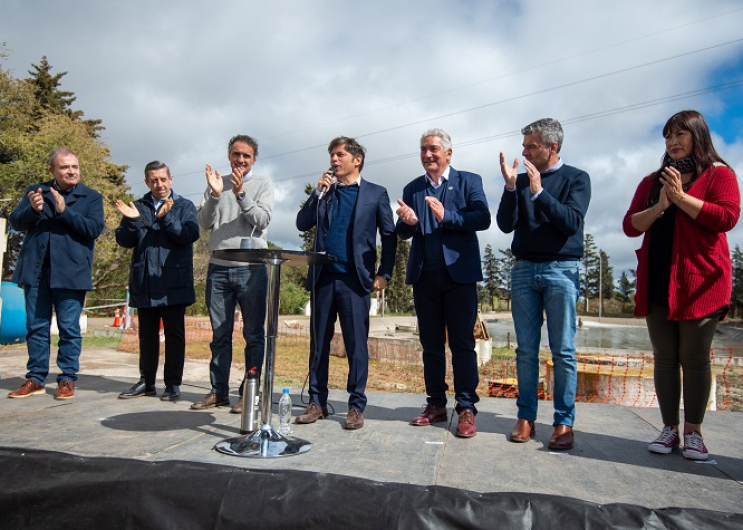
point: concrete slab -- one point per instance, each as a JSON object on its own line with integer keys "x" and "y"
{"x": 610, "y": 462}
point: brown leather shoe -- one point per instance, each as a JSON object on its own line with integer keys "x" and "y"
{"x": 523, "y": 432}
{"x": 237, "y": 408}
{"x": 562, "y": 438}
{"x": 430, "y": 415}
{"x": 466, "y": 427}
{"x": 211, "y": 400}
{"x": 313, "y": 413}
{"x": 29, "y": 388}
{"x": 354, "y": 419}
{"x": 65, "y": 389}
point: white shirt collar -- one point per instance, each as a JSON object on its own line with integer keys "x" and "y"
{"x": 443, "y": 178}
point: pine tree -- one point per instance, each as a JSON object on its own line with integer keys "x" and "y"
{"x": 590, "y": 274}
{"x": 505, "y": 264}
{"x": 607, "y": 277}
{"x": 399, "y": 297}
{"x": 491, "y": 275}
{"x": 625, "y": 288}
{"x": 47, "y": 91}
{"x": 736, "y": 300}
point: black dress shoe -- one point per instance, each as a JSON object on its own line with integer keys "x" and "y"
{"x": 138, "y": 390}
{"x": 172, "y": 393}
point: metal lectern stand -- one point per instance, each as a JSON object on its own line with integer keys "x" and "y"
{"x": 267, "y": 442}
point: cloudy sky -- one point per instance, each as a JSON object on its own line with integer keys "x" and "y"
{"x": 174, "y": 81}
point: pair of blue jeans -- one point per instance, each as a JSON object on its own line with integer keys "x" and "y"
{"x": 551, "y": 288}
{"x": 227, "y": 287}
{"x": 67, "y": 305}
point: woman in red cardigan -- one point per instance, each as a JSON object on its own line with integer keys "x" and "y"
{"x": 684, "y": 271}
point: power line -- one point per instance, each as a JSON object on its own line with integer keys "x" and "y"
{"x": 568, "y": 121}
{"x": 503, "y": 76}
{"x": 516, "y": 98}
{"x": 472, "y": 109}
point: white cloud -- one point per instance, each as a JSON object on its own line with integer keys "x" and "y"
{"x": 175, "y": 81}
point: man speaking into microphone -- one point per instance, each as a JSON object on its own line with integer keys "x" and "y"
{"x": 348, "y": 212}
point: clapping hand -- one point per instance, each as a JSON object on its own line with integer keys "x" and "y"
{"x": 509, "y": 173}
{"x": 406, "y": 214}
{"x": 214, "y": 180}
{"x": 36, "y": 199}
{"x": 127, "y": 210}
{"x": 165, "y": 208}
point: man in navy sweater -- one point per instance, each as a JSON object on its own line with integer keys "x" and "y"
{"x": 545, "y": 208}
{"x": 348, "y": 215}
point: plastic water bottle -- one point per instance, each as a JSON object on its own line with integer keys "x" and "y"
{"x": 285, "y": 412}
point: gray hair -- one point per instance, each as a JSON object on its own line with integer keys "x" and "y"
{"x": 244, "y": 138}
{"x": 52, "y": 158}
{"x": 440, "y": 133}
{"x": 154, "y": 166}
{"x": 549, "y": 130}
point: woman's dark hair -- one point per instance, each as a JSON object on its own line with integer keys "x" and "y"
{"x": 703, "y": 151}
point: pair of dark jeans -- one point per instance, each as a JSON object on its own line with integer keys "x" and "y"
{"x": 67, "y": 305}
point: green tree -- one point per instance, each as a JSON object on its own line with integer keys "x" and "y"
{"x": 607, "y": 277}
{"x": 398, "y": 296}
{"x": 736, "y": 300}
{"x": 491, "y": 276}
{"x": 590, "y": 273}
{"x": 625, "y": 288}
{"x": 29, "y": 134}
{"x": 505, "y": 264}
{"x": 51, "y": 98}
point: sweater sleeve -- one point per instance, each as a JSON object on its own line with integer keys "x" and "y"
{"x": 637, "y": 205}
{"x": 721, "y": 209}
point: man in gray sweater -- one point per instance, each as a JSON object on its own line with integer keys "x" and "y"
{"x": 234, "y": 208}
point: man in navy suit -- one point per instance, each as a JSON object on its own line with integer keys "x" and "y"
{"x": 442, "y": 211}
{"x": 62, "y": 219}
{"x": 348, "y": 215}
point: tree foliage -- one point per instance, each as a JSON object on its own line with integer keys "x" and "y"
{"x": 496, "y": 271}
{"x": 397, "y": 295}
{"x": 736, "y": 300}
{"x": 590, "y": 274}
{"x": 491, "y": 275}
{"x": 30, "y": 129}
{"x": 625, "y": 288}
{"x": 52, "y": 99}
{"x": 607, "y": 277}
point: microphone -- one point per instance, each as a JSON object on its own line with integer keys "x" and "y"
{"x": 325, "y": 189}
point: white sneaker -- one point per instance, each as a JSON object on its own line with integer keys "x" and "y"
{"x": 666, "y": 442}
{"x": 694, "y": 448}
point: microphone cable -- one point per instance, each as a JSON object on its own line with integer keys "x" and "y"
{"x": 314, "y": 353}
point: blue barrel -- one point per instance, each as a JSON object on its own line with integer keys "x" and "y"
{"x": 13, "y": 318}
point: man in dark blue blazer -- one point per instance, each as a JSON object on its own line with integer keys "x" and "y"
{"x": 161, "y": 228}
{"x": 62, "y": 219}
{"x": 442, "y": 211}
{"x": 348, "y": 215}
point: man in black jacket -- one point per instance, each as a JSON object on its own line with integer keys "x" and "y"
{"x": 161, "y": 227}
